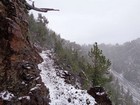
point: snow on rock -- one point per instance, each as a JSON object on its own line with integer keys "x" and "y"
{"x": 61, "y": 93}
{"x": 6, "y": 95}
{"x": 100, "y": 94}
{"x": 36, "y": 87}
{"x": 24, "y": 97}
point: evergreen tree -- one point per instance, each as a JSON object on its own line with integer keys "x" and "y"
{"x": 100, "y": 66}
{"x": 38, "y": 29}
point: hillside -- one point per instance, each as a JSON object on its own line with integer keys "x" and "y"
{"x": 54, "y": 77}
{"x": 64, "y": 63}
{"x": 125, "y": 59}
{"x": 18, "y": 58}
{"x": 61, "y": 93}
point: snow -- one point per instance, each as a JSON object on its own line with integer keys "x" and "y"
{"x": 28, "y": 67}
{"x": 61, "y": 93}
{"x": 27, "y": 97}
{"x": 36, "y": 87}
{"x": 6, "y": 95}
{"x": 22, "y": 82}
{"x": 37, "y": 78}
{"x": 100, "y": 94}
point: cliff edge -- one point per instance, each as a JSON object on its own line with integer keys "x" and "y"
{"x": 20, "y": 82}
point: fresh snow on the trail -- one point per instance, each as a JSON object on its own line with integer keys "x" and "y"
{"x": 61, "y": 93}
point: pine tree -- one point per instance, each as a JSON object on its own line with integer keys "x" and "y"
{"x": 100, "y": 66}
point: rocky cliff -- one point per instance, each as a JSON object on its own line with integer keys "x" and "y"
{"x": 20, "y": 82}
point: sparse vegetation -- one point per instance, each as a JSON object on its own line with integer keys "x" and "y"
{"x": 92, "y": 67}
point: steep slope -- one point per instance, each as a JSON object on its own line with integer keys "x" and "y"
{"x": 20, "y": 80}
{"x": 61, "y": 93}
{"x": 125, "y": 59}
{"x": 19, "y": 73}
{"x": 127, "y": 86}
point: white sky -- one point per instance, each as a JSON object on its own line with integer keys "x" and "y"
{"x": 87, "y": 21}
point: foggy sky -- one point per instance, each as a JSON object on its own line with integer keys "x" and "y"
{"x": 87, "y": 21}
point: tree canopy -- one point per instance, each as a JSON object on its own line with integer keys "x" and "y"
{"x": 100, "y": 66}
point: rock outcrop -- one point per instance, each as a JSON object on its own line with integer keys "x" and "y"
{"x": 100, "y": 95}
{"x": 20, "y": 82}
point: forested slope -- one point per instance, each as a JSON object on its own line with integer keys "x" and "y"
{"x": 68, "y": 55}
{"x": 125, "y": 59}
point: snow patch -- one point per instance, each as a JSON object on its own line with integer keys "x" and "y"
{"x": 24, "y": 97}
{"x": 61, "y": 93}
{"x": 6, "y": 95}
{"x": 37, "y": 78}
{"x": 36, "y": 87}
{"x": 23, "y": 83}
{"x": 100, "y": 93}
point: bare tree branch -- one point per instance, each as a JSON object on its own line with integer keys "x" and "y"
{"x": 29, "y": 7}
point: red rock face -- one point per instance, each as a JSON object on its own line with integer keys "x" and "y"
{"x": 18, "y": 59}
